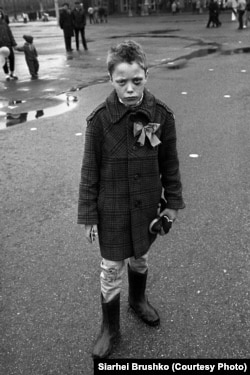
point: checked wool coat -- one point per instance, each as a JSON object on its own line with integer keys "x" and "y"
{"x": 122, "y": 181}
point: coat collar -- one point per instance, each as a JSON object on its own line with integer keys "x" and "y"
{"x": 117, "y": 110}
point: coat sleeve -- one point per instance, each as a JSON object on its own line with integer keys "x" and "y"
{"x": 12, "y": 39}
{"x": 20, "y": 48}
{"x": 169, "y": 165}
{"x": 90, "y": 173}
{"x": 61, "y": 21}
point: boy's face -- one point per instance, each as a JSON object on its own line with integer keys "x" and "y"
{"x": 129, "y": 81}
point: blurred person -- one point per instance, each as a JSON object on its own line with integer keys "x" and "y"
{"x": 91, "y": 15}
{"x": 213, "y": 14}
{"x": 96, "y": 15}
{"x": 198, "y": 6}
{"x": 103, "y": 14}
{"x": 178, "y": 6}
{"x": 174, "y": 8}
{"x": 79, "y": 22}
{"x": 31, "y": 55}
{"x": 25, "y": 17}
{"x": 241, "y": 8}
{"x": 5, "y": 17}
{"x": 7, "y": 40}
{"x": 193, "y": 6}
{"x": 247, "y": 13}
{"x": 66, "y": 24}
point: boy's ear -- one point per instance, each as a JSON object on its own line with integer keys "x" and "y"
{"x": 146, "y": 73}
{"x": 110, "y": 77}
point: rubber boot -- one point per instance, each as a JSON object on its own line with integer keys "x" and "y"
{"x": 109, "y": 329}
{"x": 137, "y": 299}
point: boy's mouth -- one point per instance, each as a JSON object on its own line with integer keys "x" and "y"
{"x": 131, "y": 99}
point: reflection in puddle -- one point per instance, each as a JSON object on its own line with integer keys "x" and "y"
{"x": 12, "y": 113}
{"x": 19, "y": 118}
{"x": 66, "y": 102}
{"x": 236, "y": 51}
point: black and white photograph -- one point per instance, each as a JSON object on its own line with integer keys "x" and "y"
{"x": 124, "y": 186}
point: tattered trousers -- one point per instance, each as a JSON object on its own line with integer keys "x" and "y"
{"x": 112, "y": 272}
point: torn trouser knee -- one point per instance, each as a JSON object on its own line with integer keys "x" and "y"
{"x": 111, "y": 278}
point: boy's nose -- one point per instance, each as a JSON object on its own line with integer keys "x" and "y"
{"x": 130, "y": 88}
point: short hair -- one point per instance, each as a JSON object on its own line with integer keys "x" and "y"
{"x": 66, "y": 4}
{"x": 128, "y": 51}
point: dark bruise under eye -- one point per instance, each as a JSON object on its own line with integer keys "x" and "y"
{"x": 137, "y": 81}
{"x": 121, "y": 81}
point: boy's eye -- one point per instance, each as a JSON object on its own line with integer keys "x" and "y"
{"x": 137, "y": 81}
{"x": 121, "y": 82}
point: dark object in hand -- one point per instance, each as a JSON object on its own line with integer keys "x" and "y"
{"x": 162, "y": 222}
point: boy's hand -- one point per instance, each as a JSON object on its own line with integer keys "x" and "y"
{"x": 171, "y": 214}
{"x": 91, "y": 232}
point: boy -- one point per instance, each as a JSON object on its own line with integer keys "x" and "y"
{"x": 30, "y": 53}
{"x": 130, "y": 161}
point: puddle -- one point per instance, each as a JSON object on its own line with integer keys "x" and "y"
{"x": 150, "y": 34}
{"x": 236, "y": 51}
{"x": 16, "y": 112}
{"x": 199, "y": 53}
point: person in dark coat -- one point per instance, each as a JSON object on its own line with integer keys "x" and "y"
{"x": 241, "y": 8}
{"x": 130, "y": 162}
{"x": 31, "y": 55}
{"x": 66, "y": 24}
{"x": 7, "y": 40}
{"x": 79, "y": 22}
{"x": 213, "y": 14}
{"x": 103, "y": 14}
{"x": 5, "y": 16}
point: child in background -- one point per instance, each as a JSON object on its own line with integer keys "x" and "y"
{"x": 30, "y": 53}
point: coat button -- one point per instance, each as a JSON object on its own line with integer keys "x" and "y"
{"x": 137, "y": 203}
{"x": 136, "y": 176}
{"x": 134, "y": 148}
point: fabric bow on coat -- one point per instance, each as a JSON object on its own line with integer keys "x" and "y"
{"x": 147, "y": 131}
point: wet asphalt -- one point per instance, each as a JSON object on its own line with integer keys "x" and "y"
{"x": 199, "y": 273}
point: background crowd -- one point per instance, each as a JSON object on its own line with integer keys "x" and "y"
{"x": 73, "y": 23}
